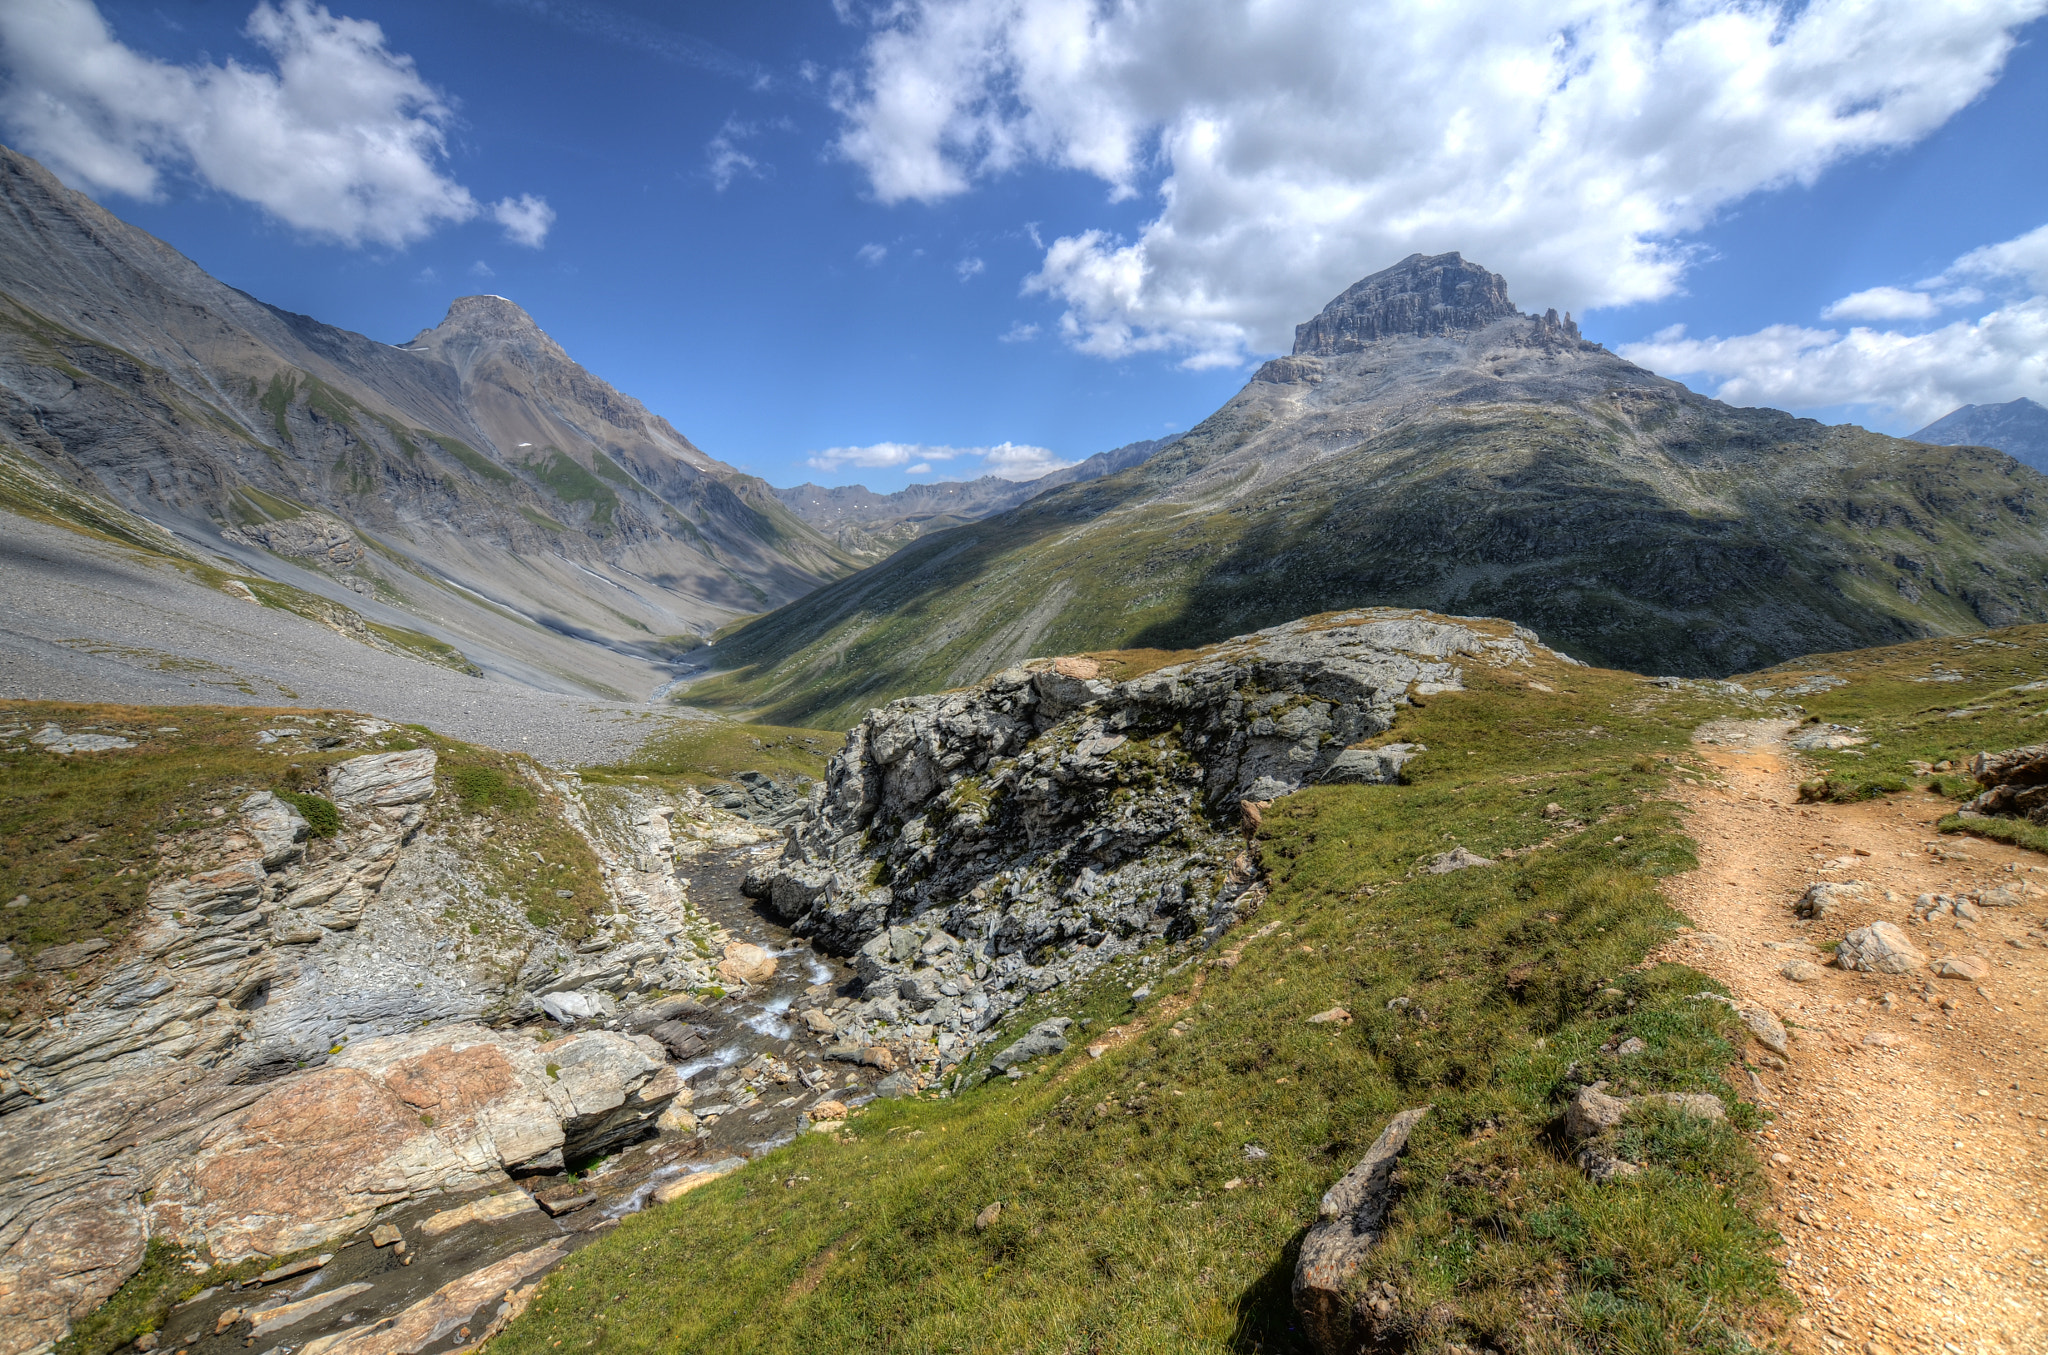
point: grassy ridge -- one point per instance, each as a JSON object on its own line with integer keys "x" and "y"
{"x": 1133, "y": 1216}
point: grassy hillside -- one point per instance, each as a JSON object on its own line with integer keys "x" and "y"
{"x": 1151, "y": 1199}
{"x": 1663, "y": 533}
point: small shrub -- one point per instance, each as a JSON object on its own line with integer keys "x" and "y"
{"x": 481, "y": 788}
{"x": 320, "y": 814}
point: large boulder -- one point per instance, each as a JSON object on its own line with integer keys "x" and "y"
{"x": 392, "y": 1119}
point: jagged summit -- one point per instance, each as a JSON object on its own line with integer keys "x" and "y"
{"x": 1424, "y": 294}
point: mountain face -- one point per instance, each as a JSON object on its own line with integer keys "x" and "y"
{"x": 2019, "y": 428}
{"x": 1426, "y": 445}
{"x": 862, "y": 522}
{"x": 476, "y": 480}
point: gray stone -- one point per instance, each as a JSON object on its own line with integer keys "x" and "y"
{"x": 1766, "y": 1028}
{"x": 1047, "y": 1037}
{"x": 383, "y": 780}
{"x": 1457, "y": 858}
{"x": 1372, "y": 766}
{"x": 1593, "y": 1112}
{"x": 1800, "y": 971}
{"x": 1348, "y": 1224}
{"x": 1825, "y": 897}
{"x": 69, "y": 956}
{"x": 1880, "y": 948}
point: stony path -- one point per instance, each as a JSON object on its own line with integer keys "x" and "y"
{"x": 1911, "y": 1127}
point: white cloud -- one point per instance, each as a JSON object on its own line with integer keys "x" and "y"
{"x": 1018, "y": 332}
{"x": 725, "y": 161}
{"x": 480, "y": 269}
{"x": 969, "y": 267}
{"x": 871, "y": 254}
{"x": 1296, "y": 145}
{"x": 2024, "y": 257}
{"x": 343, "y": 139}
{"x": 1908, "y": 378}
{"x": 526, "y": 219}
{"x": 1010, "y": 460}
{"x": 1883, "y": 303}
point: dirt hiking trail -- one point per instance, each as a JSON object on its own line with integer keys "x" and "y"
{"x": 1911, "y": 1111}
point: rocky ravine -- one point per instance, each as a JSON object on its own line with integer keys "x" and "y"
{"x": 300, "y": 1033}
{"x": 976, "y": 847}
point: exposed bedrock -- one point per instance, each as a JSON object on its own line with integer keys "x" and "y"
{"x": 978, "y": 846}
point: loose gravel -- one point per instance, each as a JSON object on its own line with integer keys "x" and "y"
{"x": 89, "y": 621}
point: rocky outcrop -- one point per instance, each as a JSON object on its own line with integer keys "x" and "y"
{"x": 1421, "y": 295}
{"x": 390, "y": 1120}
{"x": 2015, "y": 783}
{"x": 973, "y": 848}
{"x": 252, "y": 1060}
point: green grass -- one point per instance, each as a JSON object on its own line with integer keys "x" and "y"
{"x": 476, "y": 461}
{"x": 702, "y": 751}
{"x": 573, "y": 484}
{"x": 322, "y": 818}
{"x": 1910, "y": 725}
{"x": 1121, "y": 1230}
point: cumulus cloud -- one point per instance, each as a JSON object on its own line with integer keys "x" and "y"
{"x": 1904, "y": 377}
{"x": 969, "y": 267}
{"x": 1883, "y": 303}
{"x": 526, "y": 219}
{"x": 1018, "y": 332}
{"x": 1010, "y": 460}
{"x": 871, "y": 254}
{"x": 342, "y": 139}
{"x": 1296, "y": 145}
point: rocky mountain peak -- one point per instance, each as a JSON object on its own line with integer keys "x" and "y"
{"x": 1423, "y": 294}
{"x": 479, "y": 324}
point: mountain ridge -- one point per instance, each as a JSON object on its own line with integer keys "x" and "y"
{"x": 1495, "y": 465}
{"x": 128, "y": 370}
{"x": 866, "y": 523}
{"x": 2019, "y": 428}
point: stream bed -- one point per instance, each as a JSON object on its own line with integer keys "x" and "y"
{"x": 753, "y": 1070}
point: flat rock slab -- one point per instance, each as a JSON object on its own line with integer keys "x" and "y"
{"x": 263, "y": 1321}
{"x": 430, "y": 1320}
{"x": 489, "y": 1209}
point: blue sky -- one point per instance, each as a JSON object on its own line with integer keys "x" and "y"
{"x": 795, "y": 226}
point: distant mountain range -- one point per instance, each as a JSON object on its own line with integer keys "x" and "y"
{"x": 476, "y": 483}
{"x": 2019, "y": 428}
{"x": 865, "y": 523}
{"x": 1427, "y": 444}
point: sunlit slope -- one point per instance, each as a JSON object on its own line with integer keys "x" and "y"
{"x": 1505, "y": 473}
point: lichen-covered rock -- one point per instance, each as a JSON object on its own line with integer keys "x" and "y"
{"x": 1348, "y": 1224}
{"x": 976, "y": 847}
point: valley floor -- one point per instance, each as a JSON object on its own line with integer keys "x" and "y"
{"x": 87, "y": 621}
{"x": 1906, "y": 1156}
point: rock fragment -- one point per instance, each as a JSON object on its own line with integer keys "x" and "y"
{"x": 1348, "y": 1225}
